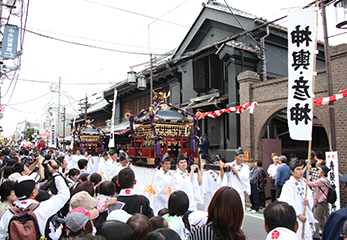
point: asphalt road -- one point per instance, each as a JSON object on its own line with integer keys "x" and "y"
{"x": 253, "y": 226}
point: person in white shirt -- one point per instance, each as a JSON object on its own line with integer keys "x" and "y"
{"x": 211, "y": 182}
{"x": 77, "y": 157}
{"x": 70, "y": 161}
{"x": 111, "y": 166}
{"x": 280, "y": 221}
{"x": 187, "y": 182}
{"x": 293, "y": 193}
{"x": 162, "y": 184}
{"x": 238, "y": 177}
{"x": 26, "y": 190}
{"x": 272, "y": 170}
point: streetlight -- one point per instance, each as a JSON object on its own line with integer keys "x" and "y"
{"x": 341, "y": 14}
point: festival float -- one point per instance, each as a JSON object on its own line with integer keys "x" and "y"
{"x": 162, "y": 128}
{"x": 90, "y": 138}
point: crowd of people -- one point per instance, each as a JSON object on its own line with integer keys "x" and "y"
{"x": 66, "y": 195}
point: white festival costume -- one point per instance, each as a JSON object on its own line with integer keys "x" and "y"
{"x": 293, "y": 193}
{"x": 211, "y": 182}
{"x": 181, "y": 181}
{"x": 239, "y": 182}
{"x": 162, "y": 185}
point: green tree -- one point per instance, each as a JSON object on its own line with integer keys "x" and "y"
{"x": 29, "y": 132}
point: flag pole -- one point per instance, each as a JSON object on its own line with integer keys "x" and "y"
{"x": 310, "y": 142}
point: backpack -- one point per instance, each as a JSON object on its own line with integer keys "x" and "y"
{"x": 23, "y": 224}
{"x": 332, "y": 196}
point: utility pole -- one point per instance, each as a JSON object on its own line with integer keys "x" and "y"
{"x": 63, "y": 120}
{"x": 84, "y": 106}
{"x": 329, "y": 78}
{"x": 58, "y": 127}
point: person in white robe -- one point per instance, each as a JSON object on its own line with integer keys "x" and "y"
{"x": 211, "y": 182}
{"x": 238, "y": 177}
{"x": 190, "y": 183}
{"x": 70, "y": 161}
{"x": 77, "y": 157}
{"x": 293, "y": 192}
{"x": 104, "y": 162}
{"x": 111, "y": 165}
{"x": 162, "y": 185}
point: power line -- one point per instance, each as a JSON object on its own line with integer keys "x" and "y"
{"x": 135, "y": 13}
{"x": 92, "y": 46}
{"x": 38, "y": 81}
{"x": 95, "y": 40}
{"x": 29, "y": 100}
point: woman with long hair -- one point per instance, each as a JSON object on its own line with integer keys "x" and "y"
{"x": 225, "y": 216}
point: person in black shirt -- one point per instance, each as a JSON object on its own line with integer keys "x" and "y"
{"x": 134, "y": 203}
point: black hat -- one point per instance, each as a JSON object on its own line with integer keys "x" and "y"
{"x": 180, "y": 157}
{"x": 325, "y": 169}
{"x": 69, "y": 151}
{"x": 166, "y": 158}
{"x": 215, "y": 159}
{"x": 204, "y": 136}
{"x": 294, "y": 163}
{"x": 251, "y": 160}
{"x": 24, "y": 186}
{"x": 122, "y": 157}
{"x": 239, "y": 151}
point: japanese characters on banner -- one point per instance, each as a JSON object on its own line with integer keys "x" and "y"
{"x": 35, "y": 136}
{"x": 333, "y": 164}
{"x": 301, "y": 51}
{"x": 111, "y": 139}
{"x": 52, "y": 137}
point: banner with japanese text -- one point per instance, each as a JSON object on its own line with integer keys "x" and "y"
{"x": 111, "y": 140}
{"x": 52, "y": 143}
{"x": 301, "y": 52}
{"x": 332, "y": 163}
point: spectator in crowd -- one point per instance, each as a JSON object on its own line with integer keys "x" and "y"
{"x": 261, "y": 183}
{"x": 26, "y": 190}
{"x": 115, "y": 230}
{"x": 79, "y": 221}
{"x": 95, "y": 178}
{"x": 321, "y": 186}
{"x": 141, "y": 226}
{"x": 134, "y": 203}
{"x": 280, "y": 221}
{"x": 272, "y": 171}
{"x": 333, "y": 228}
{"x": 163, "y": 234}
{"x": 225, "y": 217}
{"x": 7, "y": 196}
{"x": 282, "y": 175}
{"x": 158, "y": 222}
{"x": 85, "y": 186}
{"x": 178, "y": 206}
{"x": 253, "y": 180}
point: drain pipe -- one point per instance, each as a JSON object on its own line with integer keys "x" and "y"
{"x": 263, "y": 75}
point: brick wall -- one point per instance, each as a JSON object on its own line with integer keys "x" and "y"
{"x": 272, "y": 96}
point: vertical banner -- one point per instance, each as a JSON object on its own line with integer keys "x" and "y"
{"x": 332, "y": 163}
{"x": 72, "y": 136}
{"x": 52, "y": 138}
{"x": 111, "y": 140}
{"x": 35, "y": 136}
{"x": 9, "y": 42}
{"x": 301, "y": 52}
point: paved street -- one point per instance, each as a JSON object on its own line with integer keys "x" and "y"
{"x": 254, "y": 226}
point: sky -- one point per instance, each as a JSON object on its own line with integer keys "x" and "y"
{"x": 119, "y": 34}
